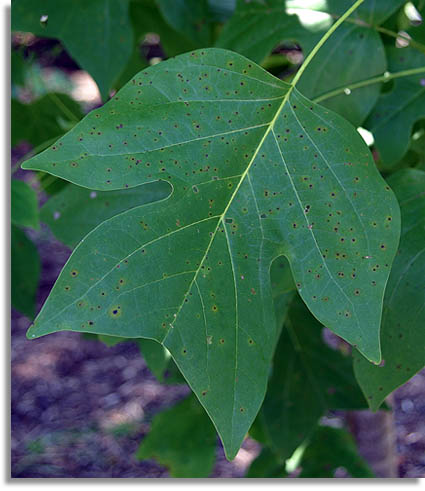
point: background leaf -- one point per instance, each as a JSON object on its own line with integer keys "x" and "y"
{"x": 24, "y": 209}
{"x": 308, "y": 379}
{"x": 156, "y": 356}
{"x": 73, "y": 212}
{"x": 267, "y": 465}
{"x": 403, "y": 338}
{"x": 96, "y": 33}
{"x": 188, "y": 17}
{"x": 330, "y": 449}
{"x": 341, "y": 62}
{"x": 397, "y": 110}
{"x": 25, "y": 272}
{"x": 183, "y": 439}
{"x": 44, "y": 119}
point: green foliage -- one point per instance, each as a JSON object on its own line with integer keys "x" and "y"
{"x": 267, "y": 464}
{"x": 403, "y": 337}
{"x": 308, "y": 379}
{"x": 207, "y": 192}
{"x": 96, "y": 33}
{"x": 182, "y": 439}
{"x": 25, "y": 272}
{"x": 254, "y": 32}
{"x": 156, "y": 356}
{"x": 397, "y": 110}
{"x": 330, "y": 449}
{"x": 75, "y": 211}
{"x": 188, "y": 17}
{"x": 24, "y": 200}
{"x": 46, "y": 118}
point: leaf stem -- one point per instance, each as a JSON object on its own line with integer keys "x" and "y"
{"x": 323, "y": 40}
{"x": 385, "y": 77}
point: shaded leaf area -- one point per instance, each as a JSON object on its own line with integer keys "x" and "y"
{"x": 221, "y": 10}
{"x": 156, "y": 356}
{"x": 341, "y": 62}
{"x": 308, "y": 379}
{"x": 397, "y": 110}
{"x": 182, "y": 439}
{"x": 254, "y": 31}
{"x": 96, "y": 33}
{"x": 146, "y": 18}
{"x": 110, "y": 340}
{"x": 329, "y": 450}
{"x": 73, "y": 212}
{"x": 267, "y": 465}
{"x": 257, "y": 27}
{"x": 415, "y": 155}
{"x": 190, "y": 18}
{"x": 24, "y": 205}
{"x": 17, "y": 68}
{"x": 403, "y": 338}
{"x": 247, "y": 156}
{"x": 283, "y": 290}
{"x": 44, "y": 119}
{"x": 370, "y": 12}
{"x": 25, "y": 272}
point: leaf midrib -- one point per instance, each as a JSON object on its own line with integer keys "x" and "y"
{"x": 226, "y": 209}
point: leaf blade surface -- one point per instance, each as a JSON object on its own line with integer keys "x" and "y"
{"x": 258, "y": 171}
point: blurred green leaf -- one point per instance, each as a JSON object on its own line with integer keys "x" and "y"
{"x": 73, "y": 212}
{"x": 182, "y": 439}
{"x": 25, "y": 272}
{"x": 403, "y": 335}
{"x": 308, "y": 379}
{"x": 392, "y": 119}
{"x": 267, "y": 465}
{"x": 190, "y": 18}
{"x": 96, "y": 33}
{"x": 330, "y": 449}
{"x": 111, "y": 340}
{"x": 156, "y": 357}
{"x": 44, "y": 119}
{"x": 24, "y": 205}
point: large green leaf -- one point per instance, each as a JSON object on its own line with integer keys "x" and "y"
{"x": 308, "y": 379}
{"x": 397, "y": 110}
{"x": 24, "y": 209}
{"x": 75, "y": 211}
{"x": 183, "y": 439}
{"x": 330, "y": 449}
{"x": 96, "y": 33}
{"x": 46, "y": 118}
{"x": 257, "y": 171}
{"x": 25, "y": 272}
{"x": 403, "y": 339}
